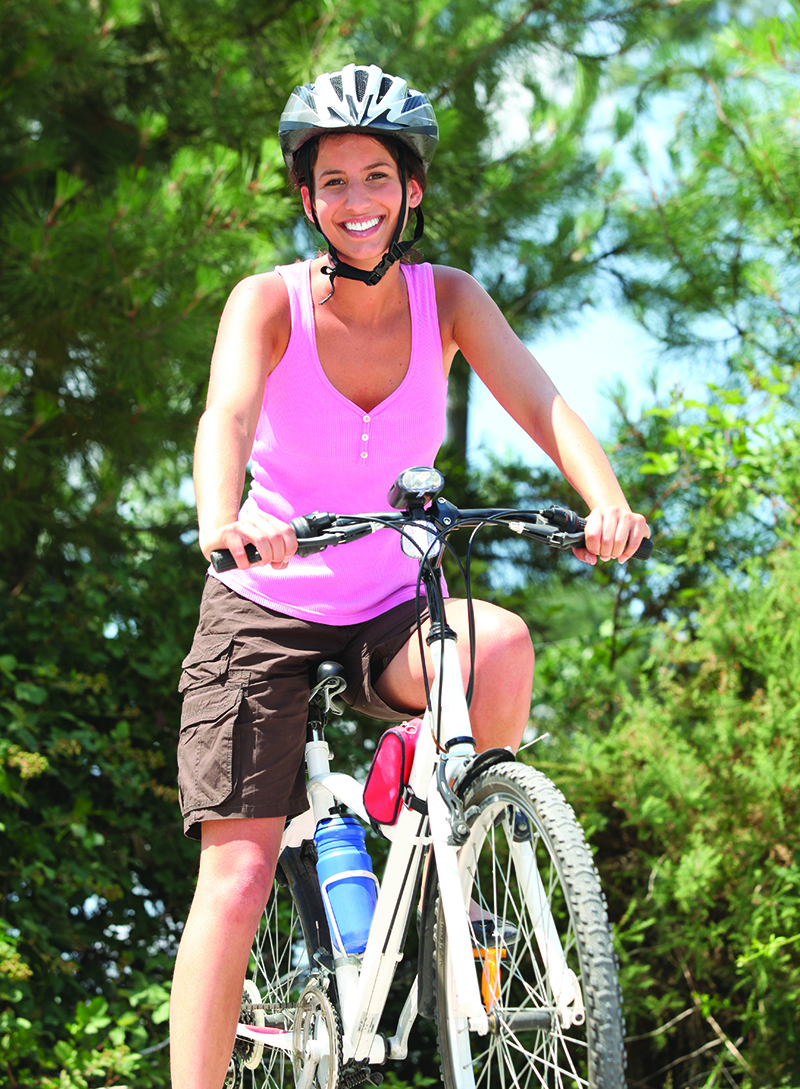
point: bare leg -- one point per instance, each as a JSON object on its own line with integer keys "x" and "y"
{"x": 237, "y": 864}
{"x": 504, "y": 660}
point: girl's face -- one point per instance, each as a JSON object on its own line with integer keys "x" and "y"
{"x": 358, "y": 196}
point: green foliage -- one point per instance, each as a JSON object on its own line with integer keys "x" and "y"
{"x": 139, "y": 179}
{"x": 96, "y": 874}
{"x": 684, "y": 767}
{"x": 125, "y": 217}
{"x": 710, "y": 238}
{"x": 691, "y": 791}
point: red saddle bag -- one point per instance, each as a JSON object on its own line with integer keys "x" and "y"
{"x": 389, "y": 772}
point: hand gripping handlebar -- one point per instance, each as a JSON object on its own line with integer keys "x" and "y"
{"x": 556, "y": 526}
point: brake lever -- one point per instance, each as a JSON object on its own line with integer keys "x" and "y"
{"x": 307, "y": 546}
{"x": 546, "y": 532}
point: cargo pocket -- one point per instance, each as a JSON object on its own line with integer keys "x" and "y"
{"x": 213, "y": 694}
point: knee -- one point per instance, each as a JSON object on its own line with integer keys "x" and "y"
{"x": 239, "y": 888}
{"x": 503, "y": 639}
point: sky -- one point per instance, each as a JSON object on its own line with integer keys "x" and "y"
{"x": 606, "y": 345}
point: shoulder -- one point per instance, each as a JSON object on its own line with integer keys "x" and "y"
{"x": 461, "y": 300}
{"x": 458, "y": 293}
{"x": 263, "y": 294}
{"x": 256, "y": 321}
{"x": 454, "y": 283}
{"x": 258, "y": 307}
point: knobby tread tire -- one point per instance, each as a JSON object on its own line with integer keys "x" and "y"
{"x": 583, "y": 924}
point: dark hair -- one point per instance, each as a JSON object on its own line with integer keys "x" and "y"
{"x": 396, "y": 148}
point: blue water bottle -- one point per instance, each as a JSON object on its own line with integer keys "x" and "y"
{"x": 349, "y": 887}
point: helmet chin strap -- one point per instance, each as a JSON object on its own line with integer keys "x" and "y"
{"x": 396, "y": 250}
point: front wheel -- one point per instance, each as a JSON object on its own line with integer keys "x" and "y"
{"x": 541, "y": 943}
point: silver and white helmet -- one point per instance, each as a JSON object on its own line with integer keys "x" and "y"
{"x": 360, "y": 97}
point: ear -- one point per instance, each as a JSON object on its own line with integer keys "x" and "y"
{"x": 306, "y": 198}
{"x": 414, "y": 192}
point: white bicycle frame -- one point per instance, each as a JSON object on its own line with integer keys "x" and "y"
{"x": 363, "y": 983}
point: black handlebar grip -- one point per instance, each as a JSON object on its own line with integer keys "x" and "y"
{"x": 222, "y": 558}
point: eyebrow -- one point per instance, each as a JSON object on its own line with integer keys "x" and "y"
{"x": 370, "y": 166}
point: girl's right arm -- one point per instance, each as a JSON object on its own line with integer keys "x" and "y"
{"x": 252, "y": 337}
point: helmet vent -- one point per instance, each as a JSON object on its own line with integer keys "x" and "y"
{"x": 385, "y": 87}
{"x": 361, "y": 83}
{"x": 336, "y": 83}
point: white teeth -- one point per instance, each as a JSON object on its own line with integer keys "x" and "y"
{"x": 365, "y": 226}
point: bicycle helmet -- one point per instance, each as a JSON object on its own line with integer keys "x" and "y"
{"x": 361, "y": 99}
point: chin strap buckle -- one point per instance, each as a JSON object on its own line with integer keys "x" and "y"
{"x": 394, "y": 253}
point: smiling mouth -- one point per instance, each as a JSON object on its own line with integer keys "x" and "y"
{"x": 363, "y": 225}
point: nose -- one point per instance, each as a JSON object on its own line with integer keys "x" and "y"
{"x": 357, "y": 196}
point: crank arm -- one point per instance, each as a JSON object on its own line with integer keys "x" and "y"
{"x": 276, "y": 1038}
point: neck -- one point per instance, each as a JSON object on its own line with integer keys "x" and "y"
{"x": 353, "y": 299}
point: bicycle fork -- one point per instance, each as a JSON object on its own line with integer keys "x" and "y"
{"x": 453, "y": 869}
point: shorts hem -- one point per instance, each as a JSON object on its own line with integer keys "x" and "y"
{"x": 192, "y": 821}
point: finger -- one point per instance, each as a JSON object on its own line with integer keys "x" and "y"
{"x": 639, "y": 532}
{"x": 607, "y": 532}
{"x": 593, "y": 533}
{"x": 283, "y": 545}
{"x": 620, "y": 538}
{"x": 280, "y": 535}
{"x": 616, "y": 531}
{"x": 602, "y": 541}
{"x": 585, "y": 556}
{"x": 238, "y": 537}
{"x": 236, "y": 543}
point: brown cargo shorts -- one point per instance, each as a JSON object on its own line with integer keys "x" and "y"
{"x": 245, "y": 685}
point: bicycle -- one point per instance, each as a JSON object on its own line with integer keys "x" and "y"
{"x": 516, "y": 962}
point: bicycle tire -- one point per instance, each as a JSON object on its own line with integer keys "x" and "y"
{"x": 292, "y": 930}
{"x": 529, "y": 1044}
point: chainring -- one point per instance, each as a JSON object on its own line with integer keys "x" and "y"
{"x": 317, "y": 1037}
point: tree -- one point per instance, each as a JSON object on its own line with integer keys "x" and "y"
{"x": 710, "y": 241}
{"x": 689, "y": 788}
{"x": 138, "y": 182}
{"x": 686, "y": 774}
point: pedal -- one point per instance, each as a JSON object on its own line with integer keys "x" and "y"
{"x": 493, "y": 933}
{"x": 354, "y": 1074}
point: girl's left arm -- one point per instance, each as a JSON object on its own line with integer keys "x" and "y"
{"x": 522, "y": 387}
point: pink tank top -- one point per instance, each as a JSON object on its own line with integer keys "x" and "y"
{"x": 316, "y": 450}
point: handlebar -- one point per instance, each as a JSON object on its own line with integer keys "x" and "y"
{"x": 556, "y": 526}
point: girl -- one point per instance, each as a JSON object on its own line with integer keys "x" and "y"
{"x": 330, "y": 377}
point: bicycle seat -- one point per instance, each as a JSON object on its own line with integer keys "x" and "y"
{"x": 331, "y": 681}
